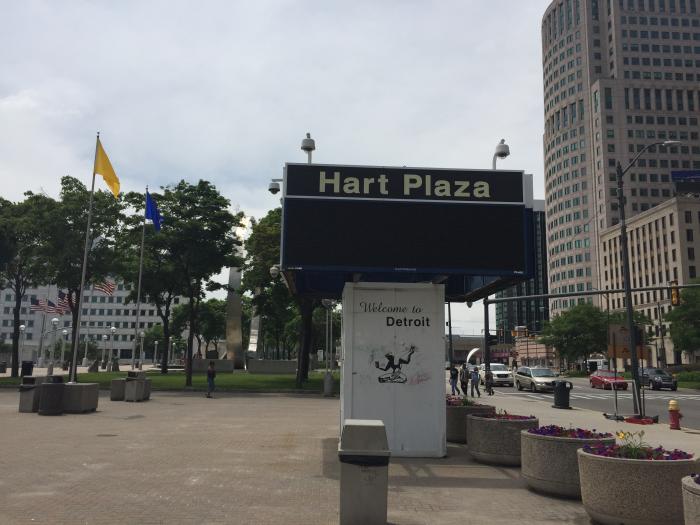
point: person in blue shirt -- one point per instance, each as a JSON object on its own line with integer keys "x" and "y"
{"x": 474, "y": 376}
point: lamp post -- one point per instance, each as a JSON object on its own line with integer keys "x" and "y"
{"x": 328, "y": 378}
{"x": 104, "y": 350}
{"x": 170, "y": 353}
{"x": 22, "y": 329}
{"x": 113, "y": 331}
{"x": 626, "y": 272}
{"x": 141, "y": 336}
{"x": 662, "y": 361}
{"x": 502, "y": 151}
{"x": 54, "y": 322}
{"x": 155, "y": 351}
{"x": 63, "y": 345}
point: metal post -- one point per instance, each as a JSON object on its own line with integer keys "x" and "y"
{"x": 170, "y": 353}
{"x": 141, "y": 352}
{"x": 53, "y": 349}
{"x": 155, "y": 351}
{"x": 63, "y": 347}
{"x": 628, "y": 291}
{"x": 487, "y": 350}
{"x": 104, "y": 351}
{"x": 449, "y": 331}
{"x": 661, "y": 335}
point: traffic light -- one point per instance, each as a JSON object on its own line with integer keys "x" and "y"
{"x": 675, "y": 294}
{"x": 492, "y": 340}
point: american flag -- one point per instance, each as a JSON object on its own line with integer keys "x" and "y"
{"x": 105, "y": 287}
{"x": 62, "y": 302}
{"x": 37, "y": 305}
{"x": 51, "y": 308}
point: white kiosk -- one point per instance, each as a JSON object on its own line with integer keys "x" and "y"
{"x": 393, "y": 363}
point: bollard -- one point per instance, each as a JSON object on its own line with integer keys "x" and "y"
{"x": 674, "y": 415}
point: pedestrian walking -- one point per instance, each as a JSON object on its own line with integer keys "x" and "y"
{"x": 454, "y": 375}
{"x": 211, "y": 374}
{"x": 474, "y": 378}
{"x": 464, "y": 378}
{"x": 488, "y": 381}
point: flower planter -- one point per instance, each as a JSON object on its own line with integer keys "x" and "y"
{"x": 633, "y": 491}
{"x": 691, "y": 501}
{"x": 457, "y": 420}
{"x": 550, "y": 463}
{"x": 496, "y": 441}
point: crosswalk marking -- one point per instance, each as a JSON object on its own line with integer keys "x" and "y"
{"x": 607, "y": 395}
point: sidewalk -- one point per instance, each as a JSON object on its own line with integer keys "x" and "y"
{"x": 659, "y": 434}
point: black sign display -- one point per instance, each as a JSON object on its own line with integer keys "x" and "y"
{"x": 359, "y": 182}
{"x": 405, "y": 220}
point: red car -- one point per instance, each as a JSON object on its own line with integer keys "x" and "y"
{"x": 607, "y": 380}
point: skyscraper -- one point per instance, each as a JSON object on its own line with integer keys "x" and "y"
{"x": 527, "y": 313}
{"x": 618, "y": 75}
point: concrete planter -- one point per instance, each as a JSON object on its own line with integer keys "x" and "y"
{"x": 691, "y": 501}
{"x": 456, "y": 419}
{"x": 633, "y": 491}
{"x": 496, "y": 441}
{"x": 550, "y": 463}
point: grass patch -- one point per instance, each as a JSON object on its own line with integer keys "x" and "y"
{"x": 242, "y": 381}
{"x": 689, "y": 384}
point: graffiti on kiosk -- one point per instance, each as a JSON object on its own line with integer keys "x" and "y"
{"x": 396, "y": 375}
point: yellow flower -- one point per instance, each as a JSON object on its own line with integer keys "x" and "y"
{"x": 620, "y": 435}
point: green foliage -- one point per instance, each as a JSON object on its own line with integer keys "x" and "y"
{"x": 577, "y": 332}
{"x": 64, "y": 244}
{"x": 23, "y": 232}
{"x": 212, "y": 322}
{"x": 271, "y": 298}
{"x": 685, "y": 328}
{"x": 202, "y": 240}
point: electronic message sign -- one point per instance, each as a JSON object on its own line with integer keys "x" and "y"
{"x": 402, "y": 221}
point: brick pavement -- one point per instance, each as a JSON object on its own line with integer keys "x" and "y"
{"x": 259, "y": 459}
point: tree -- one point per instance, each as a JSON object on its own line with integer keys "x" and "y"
{"x": 153, "y": 334}
{"x": 62, "y": 249}
{"x": 161, "y": 281}
{"x": 271, "y": 299}
{"x": 685, "y": 327}
{"x": 577, "y": 332}
{"x": 212, "y": 322}
{"x": 203, "y": 242}
{"x": 22, "y": 234}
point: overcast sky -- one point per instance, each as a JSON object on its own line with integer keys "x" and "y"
{"x": 225, "y": 90}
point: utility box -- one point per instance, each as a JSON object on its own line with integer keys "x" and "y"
{"x": 393, "y": 363}
{"x": 364, "y": 456}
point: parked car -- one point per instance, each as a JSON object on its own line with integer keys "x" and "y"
{"x": 535, "y": 378}
{"x": 607, "y": 380}
{"x": 658, "y": 378}
{"x": 501, "y": 374}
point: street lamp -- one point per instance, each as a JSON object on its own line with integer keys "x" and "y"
{"x": 626, "y": 270}
{"x": 63, "y": 345}
{"x": 328, "y": 304}
{"x": 155, "y": 351}
{"x": 502, "y": 151}
{"x": 22, "y": 329}
{"x": 104, "y": 350}
{"x": 54, "y": 322}
{"x": 141, "y": 336}
{"x": 110, "y": 365}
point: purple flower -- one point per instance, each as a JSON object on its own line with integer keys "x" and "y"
{"x": 578, "y": 433}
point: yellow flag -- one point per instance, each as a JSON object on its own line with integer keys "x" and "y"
{"x": 104, "y": 167}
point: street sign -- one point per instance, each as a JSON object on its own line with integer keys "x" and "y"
{"x": 463, "y": 228}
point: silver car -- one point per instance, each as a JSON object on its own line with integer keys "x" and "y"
{"x": 535, "y": 379}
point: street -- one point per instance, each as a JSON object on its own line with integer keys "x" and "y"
{"x": 583, "y": 396}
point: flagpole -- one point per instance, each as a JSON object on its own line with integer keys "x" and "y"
{"x": 40, "y": 353}
{"x": 79, "y": 299}
{"x": 138, "y": 293}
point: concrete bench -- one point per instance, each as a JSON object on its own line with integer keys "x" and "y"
{"x": 79, "y": 398}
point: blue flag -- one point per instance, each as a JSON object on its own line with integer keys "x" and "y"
{"x": 152, "y": 212}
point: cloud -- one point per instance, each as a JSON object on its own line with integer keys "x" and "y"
{"x": 226, "y": 90}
